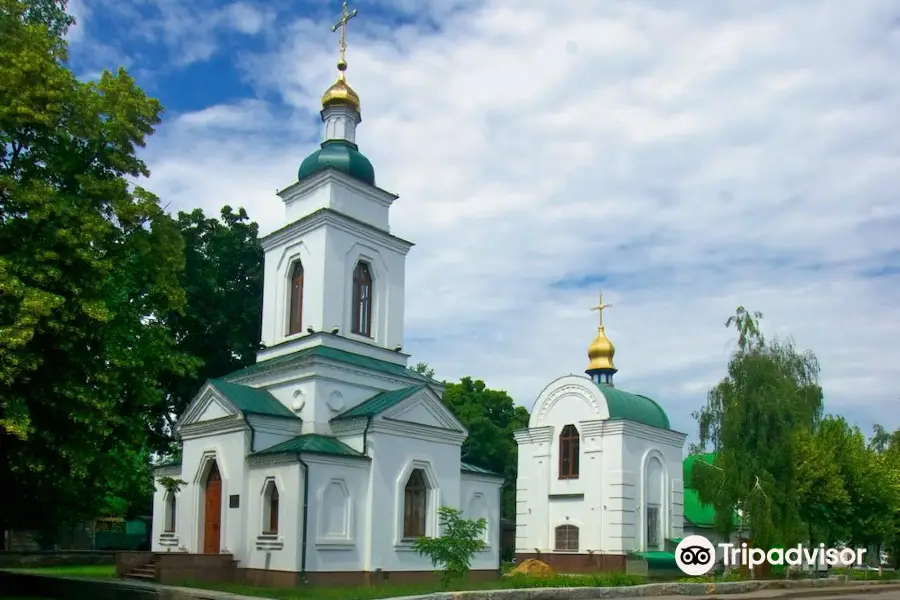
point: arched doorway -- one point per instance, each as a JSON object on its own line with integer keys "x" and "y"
{"x": 212, "y": 511}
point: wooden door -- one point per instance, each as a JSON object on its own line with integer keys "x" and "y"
{"x": 212, "y": 512}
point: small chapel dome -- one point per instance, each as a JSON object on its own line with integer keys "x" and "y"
{"x": 601, "y": 353}
{"x": 342, "y": 155}
{"x": 340, "y": 93}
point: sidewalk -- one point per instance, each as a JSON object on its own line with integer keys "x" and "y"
{"x": 861, "y": 590}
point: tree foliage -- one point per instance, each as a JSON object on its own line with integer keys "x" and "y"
{"x": 89, "y": 271}
{"x": 752, "y": 420}
{"x": 220, "y": 326}
{"x": 453, "y": 550}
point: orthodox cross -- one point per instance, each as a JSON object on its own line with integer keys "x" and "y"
{"x": 342, "y": 25}
{"x": 599, "y": 308}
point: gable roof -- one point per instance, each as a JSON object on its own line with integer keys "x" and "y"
{"x": 311, "y": 443}
{"x": 379, "y": 403}
{"x": 358, "y": 360}
{"x": 252, "y": 401}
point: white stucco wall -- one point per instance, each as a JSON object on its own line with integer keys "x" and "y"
{"x": 623, "y": 467}
{"x": 263, "y": 552}
{"x": 329, "y": 247}
{"x": 480, "y": 498}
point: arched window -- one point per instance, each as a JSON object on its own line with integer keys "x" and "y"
{"x": 270, "y": 509}
{"x": 170, "y": 512}
{"x": 362, "y": 300}
{"x": 415, "y": 503}
{"x": 295, "y": 317}
{"x": 566, "y": 538}
{"x": 568, "y": 453}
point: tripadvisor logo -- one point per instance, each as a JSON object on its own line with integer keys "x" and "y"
{"x": 696, "y": 556}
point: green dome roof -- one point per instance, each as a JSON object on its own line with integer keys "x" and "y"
{"x": 633, "y": 407}
{"x": 341, "y": 155}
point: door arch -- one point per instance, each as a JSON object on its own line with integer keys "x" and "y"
{"x": 212, "y": 511}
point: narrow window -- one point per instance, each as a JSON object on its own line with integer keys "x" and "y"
{"x": 362, "y": 300}
{"x": 415, "y": 504}
{"x": 270, "y": 513}
{"x": 568, "y": 453}
{"x": 653, "y": 541}
{"x": 566, "y": 538}
{"x": 170, "y": 512}
{"x": 295, "y": 318}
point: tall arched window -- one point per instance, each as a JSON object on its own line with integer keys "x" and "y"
{"x": 171, "y": 507}
{"x": 568, "y": 453}
{"x": 415, "y": 503}
{"x": 566, "y": 538}
{"x": 295, "y": 317}
{"x": 270, "y": 509}
{"x": 362, "y": 300}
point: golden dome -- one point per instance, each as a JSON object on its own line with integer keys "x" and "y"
{"x": 601, "y": 352}
{"x": 340, "y": 92}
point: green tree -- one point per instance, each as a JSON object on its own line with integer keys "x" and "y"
{"x": 89, "y": 270}
{"x": 752, "y": 420}
{"x": 825, "y": 503}
{"x": 454, "y": 549}
{"x": 220, "y": 326}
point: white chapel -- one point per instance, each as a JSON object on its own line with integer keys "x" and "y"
{"x": 327, "y": 458}
{"x": 600, "y": 472}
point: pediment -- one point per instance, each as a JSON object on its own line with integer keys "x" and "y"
{"x": 208, "y": 405}
{"x": 424, "y": 408}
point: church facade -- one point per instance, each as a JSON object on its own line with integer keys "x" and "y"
{"x": 600, "y": 473}
{"x": 328, "y": 458}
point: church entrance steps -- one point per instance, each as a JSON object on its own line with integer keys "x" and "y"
{"x": 144, "y": 572}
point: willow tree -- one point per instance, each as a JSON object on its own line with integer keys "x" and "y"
{"x": 754, "y": 420}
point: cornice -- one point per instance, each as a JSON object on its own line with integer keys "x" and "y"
{"x": 534, "y": 435}
{"x": 340, "y": 221}
{"x": 645, "y": 432}
{"x": 229, "y": 424}
{"x": 495, "y": 480}
{"x": 419, "y": 432}
{"x": 271, "y": 460}
{"x": 346, "y": 427}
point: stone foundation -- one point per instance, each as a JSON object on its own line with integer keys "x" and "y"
{"x": 288, "y": 579}
{"x": 575, "y": 562}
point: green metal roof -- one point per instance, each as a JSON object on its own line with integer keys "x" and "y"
{"x": 341, "y": 155}
{"x": 657, "y": 559}
{"x": 379, "y": 403}
{"x": 313, "y": 443}
{"x": 633, "y": 407}
{"x": 349, "y": 358}
{"x": 252, "y": 401}
{"x": 468, "y": 468}
{"x": 699, "y": 514}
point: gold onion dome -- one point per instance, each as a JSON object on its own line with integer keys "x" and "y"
{"x": 601, "y": 352}
{"x": 340, "y": 92}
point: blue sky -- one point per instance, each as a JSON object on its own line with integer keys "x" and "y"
{"x": 686, "y": 159}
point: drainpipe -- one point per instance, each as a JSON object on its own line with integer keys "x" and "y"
{"x": 366, "y": 436}
{"x": 305, "y": 515}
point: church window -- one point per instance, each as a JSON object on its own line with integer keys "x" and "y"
{"x": 415, "y": 503}
{"x": 566, "y": 538}
{"x": 170, "y": 512}
{"x": 362, "y": 300}
{"x": 652, "y": 527}
{"x": 568, "y": 453}
{"x": 295, "y": 318}
{"x": 270, "y": 511}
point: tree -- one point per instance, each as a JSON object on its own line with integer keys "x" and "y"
{"x": 220, "y": 326}
{"x": 753, "y": 420}
{"x": 457, "y": 545}
{"x": 89, "y": 271}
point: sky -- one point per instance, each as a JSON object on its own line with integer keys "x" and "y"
{"x": 687, "y": 158}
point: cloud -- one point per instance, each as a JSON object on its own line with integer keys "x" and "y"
{"x": 685, "y": 159}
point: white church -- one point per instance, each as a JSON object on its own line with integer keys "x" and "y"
{"x": 328, "y": 458}
{"x": 600, "y": 473}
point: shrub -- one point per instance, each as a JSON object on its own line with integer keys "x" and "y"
{"x": 457, "y": 545}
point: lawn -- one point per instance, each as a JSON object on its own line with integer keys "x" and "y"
{"x": 376, "y": 592}
{"x": 91, "y": 571}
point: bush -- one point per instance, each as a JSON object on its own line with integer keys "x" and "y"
{"x": 457, "y": 545}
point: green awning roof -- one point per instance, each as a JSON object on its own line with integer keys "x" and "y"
{"x": 656, "y": 559}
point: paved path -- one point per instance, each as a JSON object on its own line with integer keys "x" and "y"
{"x": 856, "y": 592}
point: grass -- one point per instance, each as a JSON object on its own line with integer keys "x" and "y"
{"x": 376, "y": 592}
{"x": 90, "y": 571}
